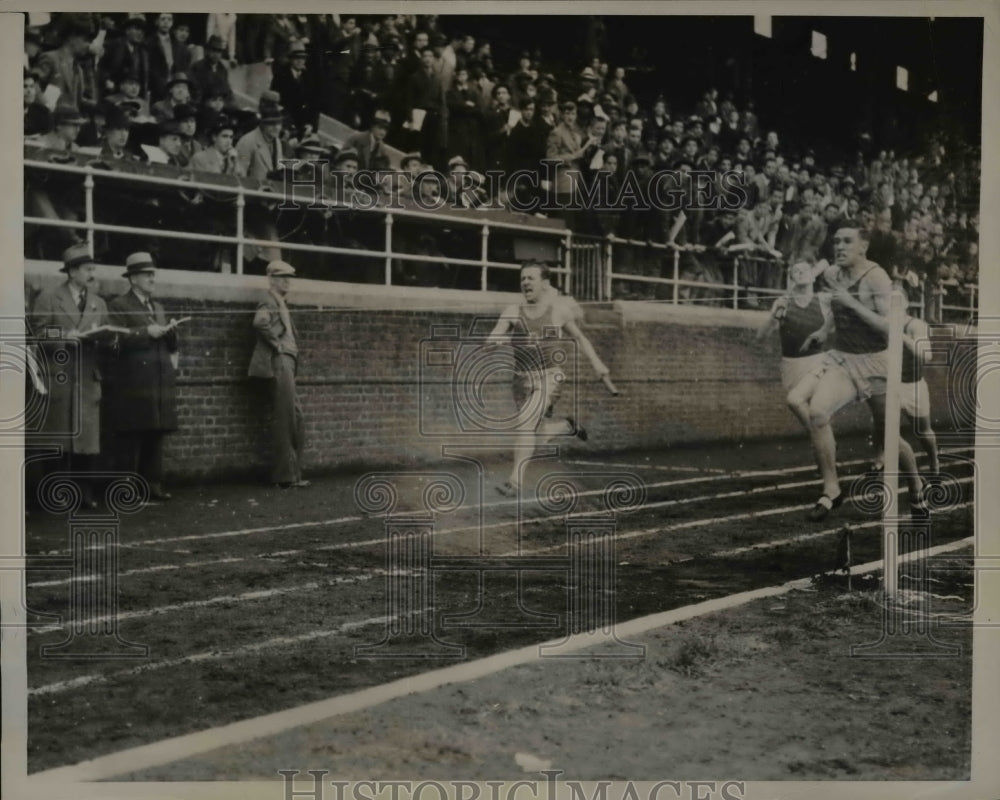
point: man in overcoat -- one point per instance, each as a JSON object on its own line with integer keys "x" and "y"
{"x": 64, "y": 318}
{"x": 143, "y": 395}
{"x": 275, "y": 359}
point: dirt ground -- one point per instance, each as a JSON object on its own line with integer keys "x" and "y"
{"x": 253, "y": 601}
{"x": 766, "y": 691}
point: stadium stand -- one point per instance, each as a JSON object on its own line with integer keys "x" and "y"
{"x": 443, "y": 97}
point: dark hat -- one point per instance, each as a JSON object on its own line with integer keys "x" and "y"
{"x": 212, "y": 91}
{"x": 74, "y": 255}
{"x": 179, "y": 77}
{"x": 137, "y": 263}
{"x": 33, "y": 35}
{"x": 271, "y": 113}
{"x": 298, "y": 51}
{"x": 127, "y": 75}
{"x": 185, "y": 111}
{"x": 457, "y": 161}
{"x": 67, "y": 115}
{"x": 269, "y": 97}
{"x": 130, "y": 105}
{"x": 313, "y": 145}
{"x": 221, "y": 123}
{"x": 382, "y": 117}
{"x": 588, "y": 74}
{"x": 406, "y": 159}
{"x": 642, "y": 158}
{"x": 169, "y": 127}
{"x": 77, "y": 28}
{"x": 215, "y": 43}
{"x": 136, "y": 20}
{"x": 116, "y": 119}
{"x": 344, "y": 155}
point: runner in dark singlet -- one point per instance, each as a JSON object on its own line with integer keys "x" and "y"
{"x": 798, "y": 315}
{"x": 538, "y": 330}
{"x": 856, "y": 367}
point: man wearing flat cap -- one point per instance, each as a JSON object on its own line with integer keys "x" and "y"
{"x": 64, "y": 318}
{"x": 143, "y": 395}
{"x": 275, "y": 359}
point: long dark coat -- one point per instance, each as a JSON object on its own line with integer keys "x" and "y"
{"x": 72, "y": 371}
{"x": 143, "y": 394}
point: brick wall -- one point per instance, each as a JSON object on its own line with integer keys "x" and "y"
{"x": 369, "y": 397}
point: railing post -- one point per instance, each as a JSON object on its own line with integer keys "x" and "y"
{"x": 736, "y": 281}
{"x": 677, "y": 274}
{"x": 568, "y": 263}
{"x": 240, "y": 233}
{"x": 88, "y": 203}
{"x": 973, "y": 288}
{"x": 609, "y": 249}
{"x": 388, "y": 249}
{"x": 483, "y": 256}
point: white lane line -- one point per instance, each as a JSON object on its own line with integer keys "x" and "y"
{"x": 694, "y": 523}
{"x": 491, "y": 504}
{"x": 214, "y": 655}
{"x": 138, "y": 571}
{"x": 190, "y": 745}
{"x": 657, "y": 467}
{"x": 260, "y": 594}
{"x": 805, "y": 537}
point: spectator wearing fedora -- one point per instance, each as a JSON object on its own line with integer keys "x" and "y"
{"x": 222, "y": 26}
{"x": 62, "y": 317}
{"x": 55, "y": 197}
{"x": 275, "y": 359}
{"x": 169, "y": 140}
{"x": 221, "y": 157}
{"x": 186, "y": 118}
{"x": 260, "y": 150}
{"x": 370, "y": 145}
{"x": 179, "y": 89}
{"x": 210, "y": 75}
{"x": 128, "y": 95}
{"x": 298, "y": 88}
{"x": 167, "y": 56}
{"x": 63, "y": 67}
{"x": 116, "y": 132}
{"x": 143, "y": 396}
{"x": 128, "y": 53}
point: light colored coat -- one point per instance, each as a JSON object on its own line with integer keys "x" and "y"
{"x": 73, "y": 377}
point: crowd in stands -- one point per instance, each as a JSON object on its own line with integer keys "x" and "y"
{"x": 120, "y": 81}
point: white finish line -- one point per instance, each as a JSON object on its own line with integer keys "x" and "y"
{"x": 194, "y": 744}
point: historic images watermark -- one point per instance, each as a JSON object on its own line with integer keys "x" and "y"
{"x": 524, "y": 191}
{"x": 549, "y": 789}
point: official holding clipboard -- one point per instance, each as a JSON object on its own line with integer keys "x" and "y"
{"x": 143, "y": 399}
{"x": 70, "y": 324}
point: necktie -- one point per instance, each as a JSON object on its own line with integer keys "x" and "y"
{"x": 149, "y": 307}
{"x": 82, "y": 302}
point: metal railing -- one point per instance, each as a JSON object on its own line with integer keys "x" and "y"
{"x": 241, "y": 239}
{"x": 593, "y": 265}
{"x": 596, "y": 267}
